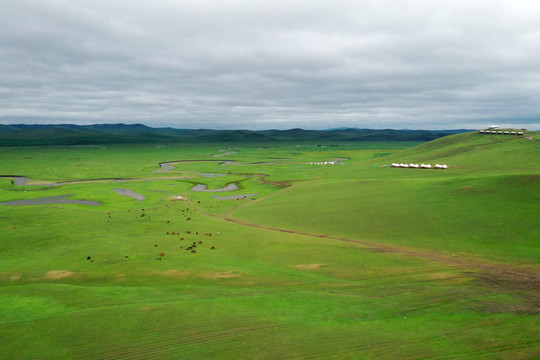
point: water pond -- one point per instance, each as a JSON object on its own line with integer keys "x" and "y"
{"x": 60, "y": 199}
{"x": 130, "y": 193}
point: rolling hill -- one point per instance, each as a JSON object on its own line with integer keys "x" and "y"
{"x": 473, "y": 149}
{"x": 68, "y": 134}
{"x": 492, "y": 186}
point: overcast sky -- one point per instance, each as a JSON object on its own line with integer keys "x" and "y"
{"x": 257, "y": 64}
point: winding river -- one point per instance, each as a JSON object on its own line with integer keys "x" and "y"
{"x": 232, "y": 197}
{"x": 60, "y": 199}
{"x": 164, "y": 167}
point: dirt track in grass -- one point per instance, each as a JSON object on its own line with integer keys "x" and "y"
{"x": 492, "y": 275}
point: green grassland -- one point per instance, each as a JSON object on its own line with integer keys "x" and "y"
{"x": 355, "y": 260}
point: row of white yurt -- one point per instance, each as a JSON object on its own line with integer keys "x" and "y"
{"x": 421, "y": 166}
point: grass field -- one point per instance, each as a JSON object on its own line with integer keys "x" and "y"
{"x": 355, "y": 260}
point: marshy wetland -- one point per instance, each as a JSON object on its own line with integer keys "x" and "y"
{"x": 266, "y": 253}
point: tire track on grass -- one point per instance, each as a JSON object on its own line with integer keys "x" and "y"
{"x": 165, "y": 332}
{"x": 392, "y": 349}
{"x": 488, "y": 352}
{"x": 499, "y": 268}
{"x": 163, "y": 346}
{"x": 153, "y": 343}
{"x": 495, "y": 274}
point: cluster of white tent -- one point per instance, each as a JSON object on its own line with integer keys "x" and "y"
{"x": 323, "y": 163}
{"x": 499, "y": 132}
{"x": 421, "y": 166}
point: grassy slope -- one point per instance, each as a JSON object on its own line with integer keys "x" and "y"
{"x": 261, "y": 293}
{"x": 485, "y": 204}
{"x": 481, "y": 152}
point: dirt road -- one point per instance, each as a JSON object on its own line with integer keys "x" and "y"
{"x": 523, "y": 282}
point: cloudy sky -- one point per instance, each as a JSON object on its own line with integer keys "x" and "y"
{"x": 258, "y": 64}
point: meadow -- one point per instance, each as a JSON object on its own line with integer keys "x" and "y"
{"x": 355, "y": 260}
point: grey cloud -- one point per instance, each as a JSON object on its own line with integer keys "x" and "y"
{"x": 261, "y": 64}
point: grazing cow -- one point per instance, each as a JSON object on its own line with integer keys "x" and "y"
{"x": 127, "y": 256}
{"x": 188, "y": 219}
{"x": 168, "y": 221}
{"x": 193, "y": 251}
{"x": 158, "y": 258}
{"x": 155, "y": 245}
{"x": 189, "y": 248}
{"x": 162, "y": 254}
{"x": 167, "y": 233}
{"x": 181, "y": 238}
{"x": 200, "y": 242}
{"x": 88, "y": 258}
{"x": 212, "y": 248}
{"x": 188, "y": 232}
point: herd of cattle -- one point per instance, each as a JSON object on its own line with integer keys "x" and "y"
{"x": 191, "y": 247}
{"x": 421, "y": 166}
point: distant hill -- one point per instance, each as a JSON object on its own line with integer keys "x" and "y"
{"x": 69, "y": 134}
